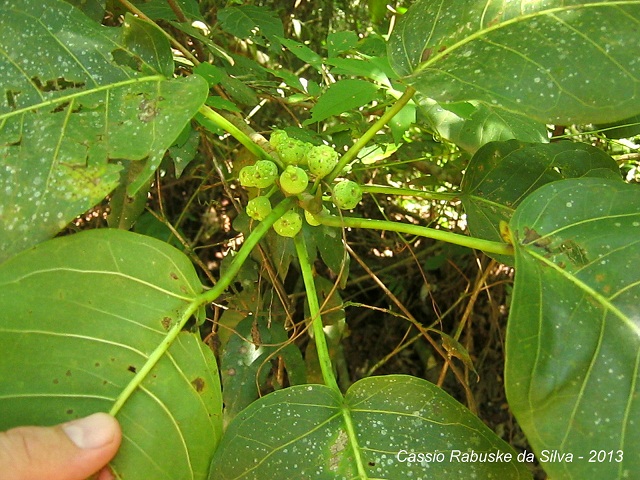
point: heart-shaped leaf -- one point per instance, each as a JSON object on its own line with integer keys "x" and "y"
{"x": 375, "y": 431}
{"x": 75, "y": 95}
{"x": 573, "y": 338}
{"x": 501, "y": 174}
{"x": 92, "y": 320}
{"x": 556, "y": 61}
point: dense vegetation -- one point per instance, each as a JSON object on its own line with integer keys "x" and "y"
{"x": 325, "y": 239}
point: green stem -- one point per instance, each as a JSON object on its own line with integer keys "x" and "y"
{"x": 236, "y": 133}
{"x": 153, "y": 359}
{"x": 202, "y": 299}
{"x": 322, "y": 348}
{"x": 443, "y": 235}
{"x": 176, "y": 44}
{"x": 370, "y": 133}
{"x": 409, "y": 192}
{"x": 314, "y": 311}
{"x": 249, "y": 244}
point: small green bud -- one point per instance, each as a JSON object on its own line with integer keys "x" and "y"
{"x": 292, "y": 151}
{"x": 278, "y": 138}
{"x": 247, "y": 176}
{"x": 258, "y": 208}
{"x": 265, "y": 173}
{"x": 311, "y": 218}
{"x": 346, "y": 195}
{"x": 293, "y": 180}
{"x": 289, "y": 224}
{"x": 321, "y": 160}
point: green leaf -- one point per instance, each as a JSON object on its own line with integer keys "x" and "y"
{"x": 255, "y": 23}
{"x": 94, "y": 9}
{"x": 556, "y": 61}
{"x": 124, "y": 208}
{"x": 303, "y": 432}
{"x": 184, "y": 151}
{"x": 377, "y": 69}
{"x": 81, "y": 317}
{"x": 160, "y": 9}
{"x": 573, "y": 337}
{"x": 76, "y": 95}
{"x": 246, "y": 361}
{"x": 480, "y": 124}
{"x": 340, "y": 42}
{"x": 341, "y": 97}
{"x": 501, "y": 174}
{"x": 303, "y": 52}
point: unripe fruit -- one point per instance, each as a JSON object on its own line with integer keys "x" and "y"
{"x": 278, "y": 138}
{"x": 311, "y": 219}
{"x": 292, "y": 151}
{"x": 346, "y": 195}
{"x": 289, "y": 224}
{"x": 265, "y": 173}
{"x": 321, "y": 159}
{"x": 258, "y": 208}
{"x": 247, "y": 176}
{"x": 293, "y": 180}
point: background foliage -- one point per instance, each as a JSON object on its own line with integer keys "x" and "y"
{"x": 508, "y": 128}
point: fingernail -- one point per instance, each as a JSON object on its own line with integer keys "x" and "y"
{"x": 94, "y": 431}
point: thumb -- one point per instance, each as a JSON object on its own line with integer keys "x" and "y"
{"x": 71, "y": 451}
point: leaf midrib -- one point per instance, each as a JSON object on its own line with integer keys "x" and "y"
{"x": 523, "y": 18}
{"x": 606, "y": 304}
{"x": 101, "y": 272}
{"x": 72, "y": 96}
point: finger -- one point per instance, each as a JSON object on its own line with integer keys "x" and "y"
{"x": 71, "y": 451}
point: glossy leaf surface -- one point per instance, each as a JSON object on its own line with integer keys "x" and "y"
{"x": 80, "y": 318}
{"x": 300, "y": 432}
{"x": 75, "y": 95}
{"x": 556, "y": 61}
{"x": 573, "y": 338}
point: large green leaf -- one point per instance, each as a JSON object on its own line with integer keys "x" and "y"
{"x": 557, "y": 61}
{"x": 501, "y": 174}
{"x": 573, "y": 338}
{"x": 311, "y": 431}
{"x": 81, "y": 319}
{"x": 74, "y": 96}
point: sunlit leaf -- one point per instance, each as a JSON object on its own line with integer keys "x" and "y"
{"x": 81, "y": 317}
{"x": 342, "y": 96}
{"x": 556, "y": 61}
{"x": 74, "y": 96}
{"x": 573, "y": 337}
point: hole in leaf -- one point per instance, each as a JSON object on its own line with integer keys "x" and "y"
{"x": 11, "y": 99}
{"x": 55, "y": 85}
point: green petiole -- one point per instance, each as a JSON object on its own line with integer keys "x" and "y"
{"x": 443, "y": 235}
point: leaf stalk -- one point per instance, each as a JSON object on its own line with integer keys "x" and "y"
{"x": 487, "y": 246}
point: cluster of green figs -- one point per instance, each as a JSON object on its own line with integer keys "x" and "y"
{"x": 302, "y": 162}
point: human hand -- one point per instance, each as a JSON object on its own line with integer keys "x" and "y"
{"x": 70, "y": 451}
